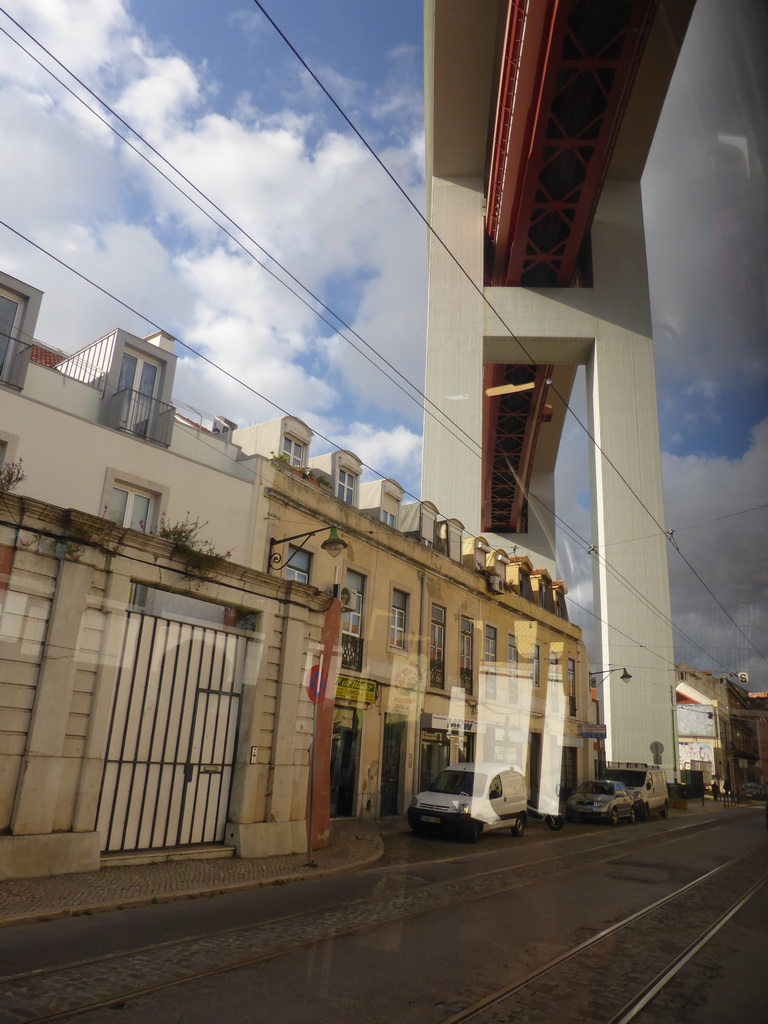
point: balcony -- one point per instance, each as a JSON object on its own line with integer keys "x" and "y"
{"x": 465, "y": 679}
{"x": 138, "y": 414}
{"x": 14, "y": 360}
{"x": 437, "y": 674}
{"x": 351, "y": 652}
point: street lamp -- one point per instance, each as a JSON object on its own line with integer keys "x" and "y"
{"x": 593, "y": 680}
{"x": 333, "y": 544}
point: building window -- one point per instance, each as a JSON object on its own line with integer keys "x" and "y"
{"x": 572, "y": 687}
{"x": 536, "y": 665}
{"x": 554, "y": 666}
{"x": 526, "y": 590}
{"x": 130, "y": 508}
{"x": 489, "y": 657}
{"x": 513, "y": 670}
{"x": 10, "y": 314}
{"x": 437, "y": 648}
{"x": 293, "y": 451}
{"x": 388, "y": 518}
{"x": 352, "y": 623}
{"x": 298, "y": 564}
{"x": 138, "y": 375}
{"x": 465, "y": 653}
{"x": 346, "y": 487}
{"x": 398, "y": 619}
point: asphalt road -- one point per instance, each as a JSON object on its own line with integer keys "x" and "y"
{"x": 435, "y": 927}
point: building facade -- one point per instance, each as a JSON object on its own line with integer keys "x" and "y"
{"x": 183, "y": 607}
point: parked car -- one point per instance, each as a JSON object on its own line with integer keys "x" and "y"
{"x": 601, "y": 800}
{"x": 755, "y": 790}
{"x": 470, "y": 798}
{"x": 648, "y": 787}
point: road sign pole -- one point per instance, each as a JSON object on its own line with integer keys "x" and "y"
{"x": 310, "y": 859}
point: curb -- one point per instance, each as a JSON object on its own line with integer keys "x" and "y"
{"x": 208, "y": 891}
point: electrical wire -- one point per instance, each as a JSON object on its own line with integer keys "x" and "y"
{"x": 292, "y": 277}
{"x": 501, "y": 320}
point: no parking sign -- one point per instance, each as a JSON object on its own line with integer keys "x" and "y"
{"x": 316, "y": 684}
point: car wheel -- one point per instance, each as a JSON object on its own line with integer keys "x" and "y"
{"x": 418, "y": 830}
{"x": 471, "y": 832}
{"x": 631, "y": 816}
{"x": 614, "y": 818}
{"x": 555, "y": 822}
{"x": 664, "y": 810}
{"x": 519, "y": 827}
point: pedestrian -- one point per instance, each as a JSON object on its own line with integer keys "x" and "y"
{"x": 715, "y": 789}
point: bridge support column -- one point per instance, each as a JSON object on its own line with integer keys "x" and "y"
{"x": 607, "y": 328}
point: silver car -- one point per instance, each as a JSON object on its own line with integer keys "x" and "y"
{"x": 601, "y": 800}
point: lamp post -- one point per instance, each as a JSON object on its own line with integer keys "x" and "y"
{"x": 333, "y": 544}
{"x": 594, "y": 682}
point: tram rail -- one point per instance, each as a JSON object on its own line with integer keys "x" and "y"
{"x": 69, "y": 990}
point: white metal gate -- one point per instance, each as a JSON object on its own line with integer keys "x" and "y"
{"x": 172, "y": 735}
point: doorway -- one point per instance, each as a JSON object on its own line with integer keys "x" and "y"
{"x": 392, "y": 751}
{"x": 345, "y": 755}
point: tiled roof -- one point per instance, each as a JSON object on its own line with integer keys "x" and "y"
{"x": 46, "y": 356}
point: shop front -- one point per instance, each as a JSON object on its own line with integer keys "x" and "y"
{"x": 444, "y": 740}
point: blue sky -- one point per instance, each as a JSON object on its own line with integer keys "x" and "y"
{"x": 216, "y": 90}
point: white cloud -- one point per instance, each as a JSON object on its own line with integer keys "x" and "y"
{"x": 312, "y": 197}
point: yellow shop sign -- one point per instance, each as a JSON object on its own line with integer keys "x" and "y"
{"x": 363, "y": 691}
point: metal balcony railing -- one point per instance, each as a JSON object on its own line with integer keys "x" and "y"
{"x": 14, "y": 360}
{"x": 141, "y": 415}
{"x": 465, "y": 679}
{"x": 437, "y": 674}
{"x": 351, "y": 652}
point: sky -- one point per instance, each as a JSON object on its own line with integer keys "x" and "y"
{"x": 292, "y": 217}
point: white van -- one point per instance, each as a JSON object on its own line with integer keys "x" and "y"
{"x": 470, "y": 798}
{"x": 648, "y": 786}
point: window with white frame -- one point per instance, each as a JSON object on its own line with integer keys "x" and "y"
{"x": 10, "y": 314}
{"x": 536, "y": 665}
{"x": 388, "y": 518}
{"x": 489, "y": 657}
{"x": 554, "y": 666}
{"x": 437, "y": 647}
{"x": 513, "y": 670}
{"x": 352, "y": 616}
{"x": 398, "y": 619}
{"x": 138, "y": 374}
{"x": 293, "y": 451}
{"x": 345, "y": 488}
{"x": 131, "y": 508}
{"x": 298, "y": 564}
{"x": 466, "y": 627}
{"x": 352, "y": 622}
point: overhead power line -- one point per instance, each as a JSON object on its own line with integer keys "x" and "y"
{"x": 501, "y": 320}
{"x": 315, "y": 298}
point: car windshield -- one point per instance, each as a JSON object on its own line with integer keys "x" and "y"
{"x": 628, "y": 777}
{"x": 599, "y": 788}
{"x": 458, "y": 783}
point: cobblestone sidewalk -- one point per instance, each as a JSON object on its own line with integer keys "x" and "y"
{"x": 354, "y": 844}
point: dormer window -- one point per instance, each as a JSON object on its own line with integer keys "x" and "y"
{"x": 14, "y": 350}
{"x": 388, "y": 518}
{"x": 345, "y": 487}
{"x": 294, "y": 452}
